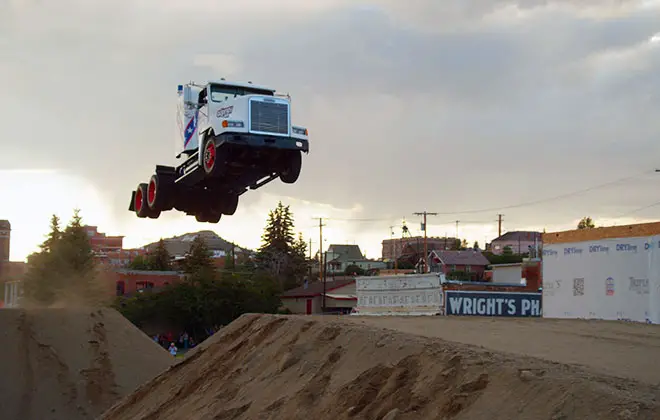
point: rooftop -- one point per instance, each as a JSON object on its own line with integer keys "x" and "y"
{"x": 600, "y": 233}
{"x": 316, "y": 288}
{"x": 519, "y": 236}
{"x": 347, "y": 252}
{"x": 247, "y": 85}
{"x": 466, "y": 257}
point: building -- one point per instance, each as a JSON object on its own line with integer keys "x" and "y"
{"x": 610, "y": 273}
{"x": 340, "y": 297}
{"x": 109, "y": 250}
{"x": 101, "y": 242}
{"x": 13, "y": 291}
{"x": 394, "y": 248}
{"x": 506, "y": 273}
{"x": 129, "y": 282}
{"x": 464, "y": 265}
{"x": 339, "y": 257}
{"x": 11, "y": 272}
{"x": 5, "y": 239}
{"x": 520, "y": 242}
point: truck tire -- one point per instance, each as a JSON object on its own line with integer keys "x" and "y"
{"x": 230, "y": 204}
{"x": 141, "y": 201}
{"x": 142, "y": 209}
{"x": 160, "y": 192}
{"x": 208, "y": 217}
{"x": 213, "y": 217}
{"x": 293, "y": 166}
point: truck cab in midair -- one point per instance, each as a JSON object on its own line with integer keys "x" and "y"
{"x": 232, "y": 137}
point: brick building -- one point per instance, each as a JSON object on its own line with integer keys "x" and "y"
{"x": 397, "y": 246}
{"x": 109, "y": 250}
{"x": 471, "y": 262}
{"x": 129, "y": 282}
{"x": 520, "y": 242}
{"x": 5, "y": 238}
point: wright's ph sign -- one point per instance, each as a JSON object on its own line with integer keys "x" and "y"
{"x": 492, "y": 304}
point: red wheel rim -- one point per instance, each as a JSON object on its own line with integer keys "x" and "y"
{"x": 151, "y": 192}
{"x": 209, "y": 155}
{"x": 138, "y": 200}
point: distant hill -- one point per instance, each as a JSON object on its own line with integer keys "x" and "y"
{"x": 179, "y": 245}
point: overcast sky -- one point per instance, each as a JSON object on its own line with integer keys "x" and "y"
{"x": 418, "y": 105}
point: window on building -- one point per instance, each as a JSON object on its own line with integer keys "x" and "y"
{"x": 120, "y": 288}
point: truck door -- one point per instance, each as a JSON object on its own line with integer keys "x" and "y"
{"x": 203, "y": 116}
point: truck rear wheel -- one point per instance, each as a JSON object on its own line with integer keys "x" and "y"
{"x": 208, "y": 217}
{"x": 160, "y": 192}
{"x": 293, "y": 166}
{"x": 142, "y": 209}
{"x": 230, "y": 204}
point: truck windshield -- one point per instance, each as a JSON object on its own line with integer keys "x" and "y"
{"x": 220, "y": 93}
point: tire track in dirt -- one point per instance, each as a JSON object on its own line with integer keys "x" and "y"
{"x": 25, "y": 327}
{"x": 100, "y": 383}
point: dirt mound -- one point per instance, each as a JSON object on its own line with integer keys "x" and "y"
{"x": 288, "y": 367}
{"x": 71, "y": 363}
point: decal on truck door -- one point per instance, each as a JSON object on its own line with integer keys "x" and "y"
{"x": 190, "y": 130}
{"x": 225, "y": 112}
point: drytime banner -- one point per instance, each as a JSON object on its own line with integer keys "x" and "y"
{"x": 459, "y": 302}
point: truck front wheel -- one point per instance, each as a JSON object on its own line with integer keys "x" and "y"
{"x": 293, "y": 166}
{"x": 213, "y": 158}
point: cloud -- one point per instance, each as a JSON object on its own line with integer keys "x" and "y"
{"x": 417, "y": 105}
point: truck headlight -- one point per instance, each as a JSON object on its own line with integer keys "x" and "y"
{"x": 299, "y": 130}
{"x": 229, "y": 123}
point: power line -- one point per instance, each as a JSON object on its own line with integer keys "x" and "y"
{"x": 531, "y": 203}
{"x": 657, "y": 203}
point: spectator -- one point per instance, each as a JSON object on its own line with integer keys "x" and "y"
{"x": 173, "y": 349}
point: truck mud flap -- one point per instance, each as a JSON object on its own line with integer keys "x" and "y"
{"x": 131, "y": 207}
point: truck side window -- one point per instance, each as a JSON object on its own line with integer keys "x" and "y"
{"x": 202, "y": 98}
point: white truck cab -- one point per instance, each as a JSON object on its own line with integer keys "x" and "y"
{"x": 220, "y": 107}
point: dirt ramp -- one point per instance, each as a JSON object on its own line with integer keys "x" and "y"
{"x": 71, "y": 363}
{"x": 288, "y": 367}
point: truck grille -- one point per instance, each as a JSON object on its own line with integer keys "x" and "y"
{"x": 269, "y": 117}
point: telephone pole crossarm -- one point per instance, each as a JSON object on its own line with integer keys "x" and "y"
{"x": 426, "y": 250}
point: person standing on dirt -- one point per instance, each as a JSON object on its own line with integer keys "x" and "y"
{"x": 173, "y": 349}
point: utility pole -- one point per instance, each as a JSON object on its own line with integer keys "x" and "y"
{"x": 392, "y": 244}
{"x": 457, "y": 229}
{"x": 321, "y": 248}
{"x": 424, "y": 214}
{"x": 499, "y": 225}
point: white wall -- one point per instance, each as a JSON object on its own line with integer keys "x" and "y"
{"x": 510, "y": 274}
{"x": 12, "y": 294}
{"x": 399, "y": 295}
{"x": 606, "y": 279}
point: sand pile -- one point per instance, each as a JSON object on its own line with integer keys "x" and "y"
{"x": 71, "y": 363}
{"x": 279, "y": 367}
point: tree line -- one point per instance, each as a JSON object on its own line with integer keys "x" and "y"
{"x": 65, "y": 270}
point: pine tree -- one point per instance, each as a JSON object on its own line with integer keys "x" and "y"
{"x": 54, "y": 235}
{"x": 280, "y": 253}
{"x": 160, "y": 260}
{"x": 64, "y": 269}
{"x": 199, "y": 261}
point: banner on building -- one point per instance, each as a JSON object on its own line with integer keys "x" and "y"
{"x": 509, "y": 304}
{"x": 418, "y": 294}
{"x": 612, "y": 279}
